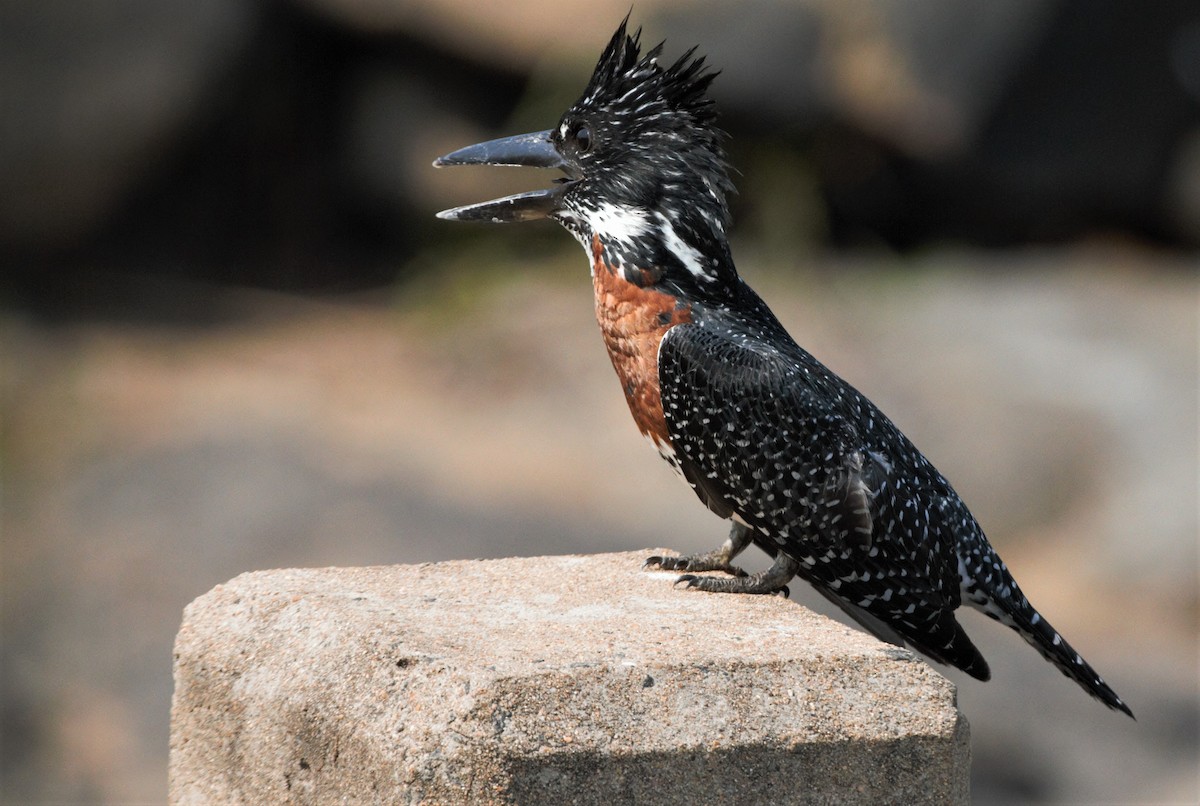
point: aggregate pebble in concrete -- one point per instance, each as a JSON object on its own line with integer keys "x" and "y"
{"x": 556, "y": 680}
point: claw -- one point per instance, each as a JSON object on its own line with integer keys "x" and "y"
{"x": 701, "y": 562}
{"x": 669, "y": 563}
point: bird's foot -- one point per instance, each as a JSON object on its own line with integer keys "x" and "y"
{"x": 717, "y": 560}
{"x": 773, "y": 580}
{"x": 749, "y": 583}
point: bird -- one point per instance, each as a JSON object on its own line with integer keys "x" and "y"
{"x": 802, "y": 464}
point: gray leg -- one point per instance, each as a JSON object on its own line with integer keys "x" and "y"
{"x": 773, "y": 580}
{"x": 718, "y": 559}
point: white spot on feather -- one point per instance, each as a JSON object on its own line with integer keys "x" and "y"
{"x": 687, "y": 254}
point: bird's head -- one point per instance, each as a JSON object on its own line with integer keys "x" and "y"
{"x": 644, "y": 174}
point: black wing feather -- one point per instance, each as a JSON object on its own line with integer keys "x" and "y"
{"x": 787, "y": 446}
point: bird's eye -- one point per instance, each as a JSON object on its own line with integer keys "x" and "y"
{"x": 583, "y": 137}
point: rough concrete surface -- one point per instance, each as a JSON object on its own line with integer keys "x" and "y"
{"x": 574, "y": 679}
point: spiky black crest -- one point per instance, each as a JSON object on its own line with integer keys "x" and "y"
{"x": 626, "y": 82}
{"x": 663, "y": 113}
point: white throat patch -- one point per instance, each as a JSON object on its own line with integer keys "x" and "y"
{"x": 617, "y": 227}
{"x": 613, "y": 222}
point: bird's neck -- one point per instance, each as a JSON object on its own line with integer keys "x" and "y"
{"x": 683, "y": 249}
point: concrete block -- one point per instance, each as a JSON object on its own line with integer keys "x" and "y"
{"x": 545, "y": 680}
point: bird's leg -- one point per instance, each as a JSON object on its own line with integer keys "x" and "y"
{"x": 773, "y": 580}
{"x": 719, "y": 559}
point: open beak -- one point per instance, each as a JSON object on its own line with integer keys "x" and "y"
{"x": 534, "y": 150}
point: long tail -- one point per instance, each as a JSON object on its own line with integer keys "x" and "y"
{"x": 1019, "y": 614}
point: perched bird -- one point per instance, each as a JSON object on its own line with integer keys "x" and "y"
{"x": 804, "y": 466}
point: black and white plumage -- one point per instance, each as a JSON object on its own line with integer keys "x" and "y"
{"x": 805, "y": 466}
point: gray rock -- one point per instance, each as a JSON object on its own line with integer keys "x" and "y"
{"x": 577, "y": 679}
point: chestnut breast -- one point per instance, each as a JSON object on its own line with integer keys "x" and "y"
{"x": 633, "y": 321}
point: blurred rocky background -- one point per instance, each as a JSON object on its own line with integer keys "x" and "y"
{"x": 234, "y": 337}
